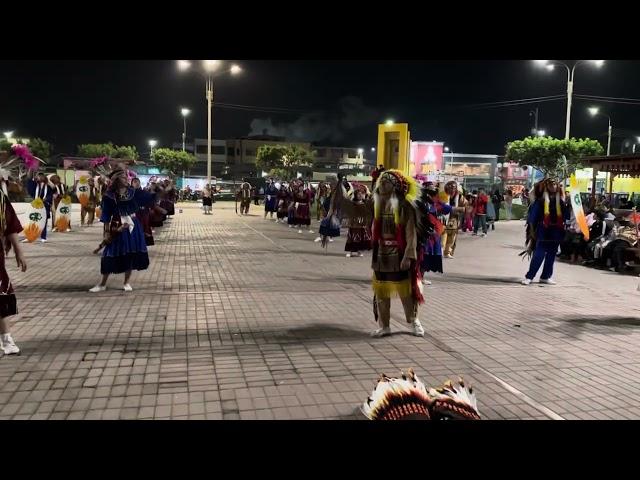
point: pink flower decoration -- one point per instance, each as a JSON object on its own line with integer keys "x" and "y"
{"x": 131, "y": 174}
{"x": 31, "y": 162}
{"x": 96, "y": 162}
{"x": 21, "y": 151}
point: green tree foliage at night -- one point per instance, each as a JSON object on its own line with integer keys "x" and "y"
{"x": 93, "y": 150}
{"x": 283, "y": 160}
{"x": 553, "y": 157}
{"x": 173, "y": 161}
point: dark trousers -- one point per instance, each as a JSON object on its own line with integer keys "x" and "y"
{"x": 544, "y": 252}
{"x": 480, "y": 221}
{"x": 496, "y": 207}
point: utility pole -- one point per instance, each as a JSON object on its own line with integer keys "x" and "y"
{"x": 534, "y": 114}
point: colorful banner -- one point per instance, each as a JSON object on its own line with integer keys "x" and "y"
{"x": 576, "y": 204}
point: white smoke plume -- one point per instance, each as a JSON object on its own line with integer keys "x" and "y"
{"x": 349, "y": 113}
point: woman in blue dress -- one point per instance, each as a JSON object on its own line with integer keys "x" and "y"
{"x": 432, "y": 250}
{"x": 126, "y": 250}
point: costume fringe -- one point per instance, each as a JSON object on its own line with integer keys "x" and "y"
{"x": 386, "y": 289}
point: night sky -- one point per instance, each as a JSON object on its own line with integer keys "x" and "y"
{"x": 335, "y": 103}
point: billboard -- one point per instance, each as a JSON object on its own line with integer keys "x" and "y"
{"x": 425, "y": 158}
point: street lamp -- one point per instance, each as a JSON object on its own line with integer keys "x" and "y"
{"x": 594, "y": 111}
{"x": 549, "y": 65}
{"x": 8, "y": 134}
{"x": 184, "y": 112}
{"x": 448, "y": 150}
{"x": 152, "y": 143}
{"x": 389, "y": 122}
{"x": 209, "y": 67}
{"x": 541, "y": 133}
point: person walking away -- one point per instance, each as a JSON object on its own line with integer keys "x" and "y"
{"x": 480, "y": 213}
{"x": 245, "y": 198}
{"x": 491, "y": 216}
{"x": 546, "y": 228}
{"x": 508, "y": 203}
{"x": 207, "y": 200}
{"x": 497, "y": 200}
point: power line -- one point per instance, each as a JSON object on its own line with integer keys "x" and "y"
{"x": 531, "y": 102}
{"x": 603, "y": 100}
{"x": 513, "y": 102}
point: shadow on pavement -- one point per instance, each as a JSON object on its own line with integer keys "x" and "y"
{"x": 316, "y": 332}
{"x": 474, "y": 280}
{"x": 575, "y": 326}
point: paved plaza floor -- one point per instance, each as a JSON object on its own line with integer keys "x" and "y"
{"x": 241, "y": 318}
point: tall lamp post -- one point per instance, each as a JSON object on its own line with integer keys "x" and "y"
{"x": 152, "y": 143}
{"x": 450, "y": 152}
{"x": 184, "y": 112}
{"x": 595, "y": 111}
{"x": 550, "y": 65}
{"x": 209, "y": 67}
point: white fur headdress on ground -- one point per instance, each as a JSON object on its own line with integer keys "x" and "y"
{"x": 407, "y": 398}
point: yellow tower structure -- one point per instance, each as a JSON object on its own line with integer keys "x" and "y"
{"x": 394, "y": 146}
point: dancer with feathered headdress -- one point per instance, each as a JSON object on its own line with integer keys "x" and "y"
{"x": 400, "y": 227}
{"x": 545, "y": 229}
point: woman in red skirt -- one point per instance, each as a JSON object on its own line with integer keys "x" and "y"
{"x": 9, "y": 228}
{"x": 359, "y": 237}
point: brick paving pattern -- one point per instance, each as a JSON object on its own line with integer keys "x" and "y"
{"x": 242, "y": 318}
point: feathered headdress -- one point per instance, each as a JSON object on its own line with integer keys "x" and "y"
{"x": 101, "y": 166}
{"x": 18, "y": 162}
{"x": 361, "y": 187}
{"x": 407, "y": 398}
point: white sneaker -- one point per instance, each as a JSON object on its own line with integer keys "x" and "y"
{"x": 548, "y": 281}
{"x": 330, "y": 239}
{"x": 448, "y": 256}
{"x": 526, "y": 281}
{"x": 348, "y": 255}
{"x": 127, "y": 287}
{"x": 54, "y": 229}
{"x": 381, "y": 332}
{"x": 299, "y": 231}
{"x": 43, "y": 240}
{"x": 318, "y": 239}
{"x": 9, "y": 347}
{"x": 98, "y": 288}
{"x": 426, "y": 282}
{"x": 483, "y": 235}
{"x": 68, "y": 230}
{"x": 24, "y": 240}
{"x": 290, "y": 226}
{"x": 418, "y": 331}
{"x": 360, "y": 254}
{"x": 310, "y": 231}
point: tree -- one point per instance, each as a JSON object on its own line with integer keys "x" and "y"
{"x": 126, "y": 152}
{"x": 173, "y": 161}
{"x": 269, "y": 157}
{"x": 297, "y": 157}
{"x": 40, "y": 148}
{"x": 552, "y": 156}
{"x": 94, "y": 150}
{"x": 285, "y": 159}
